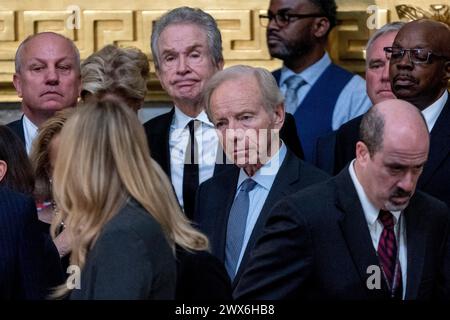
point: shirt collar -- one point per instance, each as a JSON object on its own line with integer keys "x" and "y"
{"x": 265, "y": 176}
{"x": 310, "y": 74}
{"x": 432, "y": 112}
{"x": 30, "y": 132}
{"x": 370, "y": 211}
{"x": 181, "y": 120}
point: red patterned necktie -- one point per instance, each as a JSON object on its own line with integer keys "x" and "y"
{"x": 387, "y": 254}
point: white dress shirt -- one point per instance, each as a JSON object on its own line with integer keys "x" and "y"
{"x": 264, "y": 178}
{"x": 432, "y": 112}
{"x": 30, "y": 131}
{"x": 207, "y": 141}
{"x": 376, "y": 227}
{"x": 352, "y": 101}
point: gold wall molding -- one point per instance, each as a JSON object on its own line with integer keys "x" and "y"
{"x": 129, "y": 24}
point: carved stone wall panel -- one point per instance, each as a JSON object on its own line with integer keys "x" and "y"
{"x": 129, "y": 23}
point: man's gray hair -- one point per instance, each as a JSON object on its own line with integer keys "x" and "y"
{"x": 187, "y": 15}
{"x": 270, "y": 94}
{"x": 387, "y": 28}
{"x": 19, "y": 52}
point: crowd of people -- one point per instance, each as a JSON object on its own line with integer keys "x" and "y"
{"x": 302, "y": 183}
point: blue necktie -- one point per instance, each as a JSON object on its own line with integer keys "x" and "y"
{"x": 237, "y": 222}
{"x": 293, "y": 84}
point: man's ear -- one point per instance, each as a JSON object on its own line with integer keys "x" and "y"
{"x": 3, "y": 169}
{"x": 447, "y": 70}
{"x": 279, "y": 114}
{"x": 17, "y": 84}
{"x": 320, "y": 27}
{"x": 362, "y": 153}
{"x": 220, "y": 65}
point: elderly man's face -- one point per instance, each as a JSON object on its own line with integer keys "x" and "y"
{"x": 49, "y": 79}
{"x": 246, "y": 129}
{"x": 377, "y": 72}
{"x": 185, "y": 62}
{"x": 419, "y": 84}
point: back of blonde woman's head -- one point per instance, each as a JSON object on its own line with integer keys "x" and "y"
{"x": 102, "y": 161}
{"x": 120, "y": 71}
{"x": 40, "y": 153}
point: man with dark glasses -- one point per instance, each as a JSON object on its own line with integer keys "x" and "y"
{"x": 319, "y": 94}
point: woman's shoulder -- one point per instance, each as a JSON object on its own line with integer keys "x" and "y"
{"x": 136, "y": 222}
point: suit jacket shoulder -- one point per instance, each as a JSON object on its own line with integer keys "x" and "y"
{"x": 17, "y": 127}
{"x": 22, "y": 248}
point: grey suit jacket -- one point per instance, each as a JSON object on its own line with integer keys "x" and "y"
{"x": 131, "y": 260}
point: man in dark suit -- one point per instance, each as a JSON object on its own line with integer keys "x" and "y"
{"x": 424, "y": 84}
{"x": 264, "y": 172}
{"x": 187, "y": 50}
{"x": 378, "y": 88}
{"x": 47, "y": 78}
{"x": 297, "y": 33}
{"x": 22, "y": 247}
{"x": 364, "y": 234}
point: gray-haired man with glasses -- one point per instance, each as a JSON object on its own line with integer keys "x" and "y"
{"x": 321, "y": 95}
{"x": 419, "y": 73}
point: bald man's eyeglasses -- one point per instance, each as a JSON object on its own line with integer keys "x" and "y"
{"x": 415, "y": 55}
{"x": 282, "y": 19}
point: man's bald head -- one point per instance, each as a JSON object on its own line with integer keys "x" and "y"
{"x": 391, "y": 153}
{"x": 421, "y": 82}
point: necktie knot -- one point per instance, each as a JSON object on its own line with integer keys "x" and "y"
{"x": 387, "y": 219}
{"x": 192, "y": 125}
{"x": 248, "y": 185}
{"x": 294, "y": 82}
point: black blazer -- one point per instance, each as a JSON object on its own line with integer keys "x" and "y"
{"x": 158, "y": 130}
{"x": 131, "y": 260}
{"x": 201, "y": 277}
{"x": 215, "y": 198}
{"x": 17, "y": 127}
{"x": 22, "y": 249}
{"x": 435, "y": 178}
{"x": 316, "y": 245}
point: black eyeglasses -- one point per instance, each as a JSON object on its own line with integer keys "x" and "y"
{"x": 415, "y": 55}
{"x": 282, "y": 19}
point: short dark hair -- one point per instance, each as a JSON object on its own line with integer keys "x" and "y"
{"x": 19, "y": 174}
{"x": 329, "y": 9}
{"x": 371, "y": 130}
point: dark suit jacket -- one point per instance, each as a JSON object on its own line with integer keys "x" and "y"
{"x": 435, "y": 179}
{"x": 201, "y": 277}
{"x": 17, "y": 127}
{"x": 22, "y": 247}
{"x": 158, "y": 130}
{"x": 317, "y": 245}
{"x": 215, "y": 197}
{"x": 130, "y": 260}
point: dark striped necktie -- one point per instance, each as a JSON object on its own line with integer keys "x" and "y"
{"x": 387, "y": 254}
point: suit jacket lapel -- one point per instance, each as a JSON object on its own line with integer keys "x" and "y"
{"x": 224, "y": 204}
{"x": 355, "y": 231}
{"x": 287, "y": 175}
{"x": 161, "y": 136}
{"x": 439, "y": 145}
{"x": 416, "y": 231}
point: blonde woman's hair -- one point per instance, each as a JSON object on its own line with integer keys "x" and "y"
{"x": 40, "y": 153}
{"x": 103, "y": 160}
{"x": 120, "y": 71}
